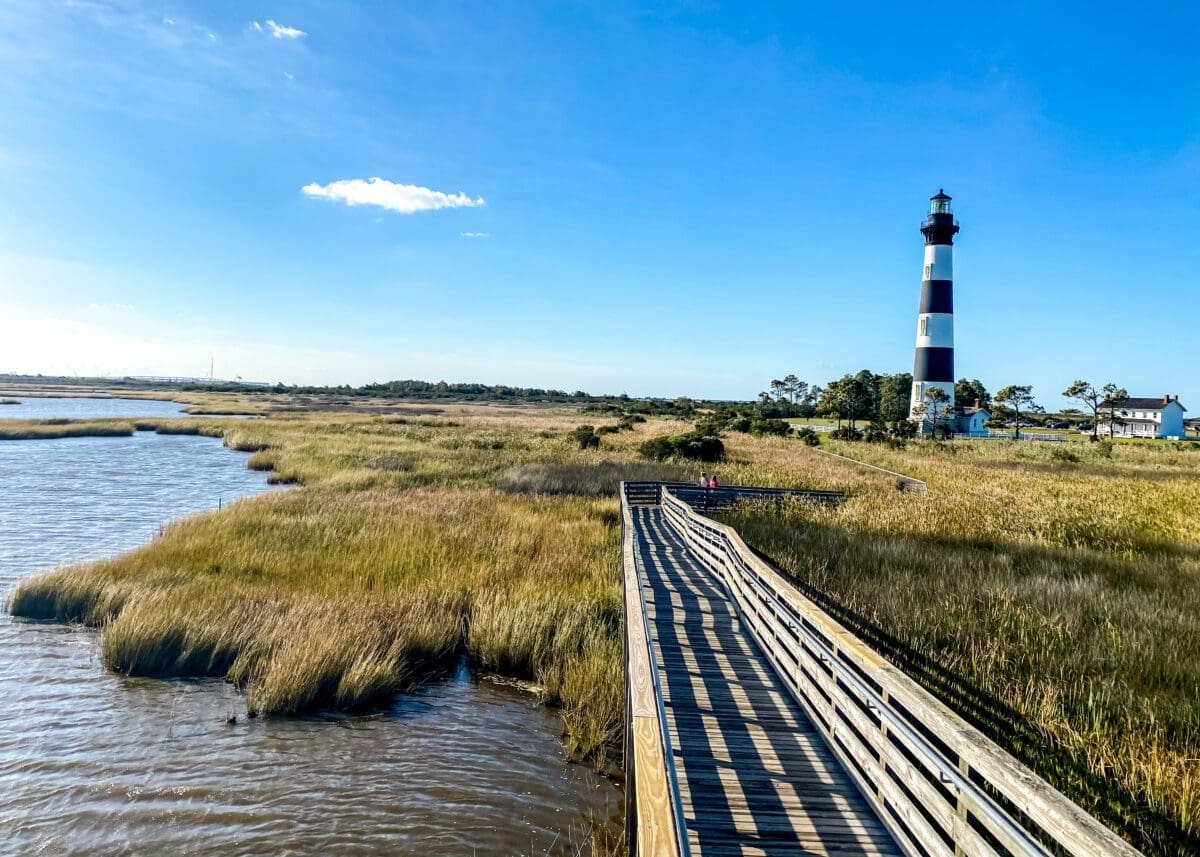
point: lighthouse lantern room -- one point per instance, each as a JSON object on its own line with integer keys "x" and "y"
{"x": 933, "y": 367}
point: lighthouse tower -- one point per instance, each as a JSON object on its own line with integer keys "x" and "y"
{"x": 934, "y": 363}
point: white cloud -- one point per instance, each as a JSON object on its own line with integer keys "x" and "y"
{"x": 170, "y": 22}
{"x": 475, "y": 235}
{"x": 279, "y": 31}
{"x": 403, "y": 198}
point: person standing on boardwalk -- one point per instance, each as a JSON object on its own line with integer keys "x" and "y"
{"x": 703, "y": 480}
{"x": 712, "y": 483}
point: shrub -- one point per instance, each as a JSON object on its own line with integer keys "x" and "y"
{"x": 1104, "y": 448}
{"x": 695, "y": 446}
{"x": 846, "y": 433}
{"x": 741, "y": 424}
{"x": 808, "y": 436}
{"x": 779, "y": 428}
{"x": 586, "y": 437}
{"x": 1061, "y": 453}
{"x": 608, "y": 429}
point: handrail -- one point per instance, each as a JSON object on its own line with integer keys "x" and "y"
{"x": 904, "y": 482}
{"x": 939, "y": 785}
{"x": 657, "y": 822}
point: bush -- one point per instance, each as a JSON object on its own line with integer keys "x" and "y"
{"x": 695, "y": 446}
{"x": 586, "y": 437}
{"x": 760, "y": 427}
{"x": 846, "y": 433}
{"x": 1061, "y": 453}
{"x": 741, "y": 424}
{"x": 1104, "y": 448}
{"x": 808, "y": 436}
{"x": 608, "y": 429}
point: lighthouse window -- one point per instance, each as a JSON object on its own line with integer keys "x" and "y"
{"x": 924, "y": 327}
{"x": 928, "y": 271}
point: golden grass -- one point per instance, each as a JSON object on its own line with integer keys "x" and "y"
{"x": 1055, "y": 604}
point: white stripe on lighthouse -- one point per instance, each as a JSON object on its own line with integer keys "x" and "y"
{"x": 935, "y": 330}
{"x": 939, "y": 262}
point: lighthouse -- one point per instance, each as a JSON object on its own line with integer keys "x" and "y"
{"x": 934, "y": 363}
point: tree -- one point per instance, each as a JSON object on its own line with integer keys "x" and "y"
{"x": 779, "y": 390}
{"x": 894, "y": 396}
{"x": 834, "y": 400}
{"x": 791, "y": 388}
{"x": 1095, "y": 400}
{"x": 1017, "y": 396}
{"x": 938, "y": 410}
{"x": 966, "y": 392}
{"x": 1114, "y": 397}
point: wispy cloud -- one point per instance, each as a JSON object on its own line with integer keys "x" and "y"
{"x": 475, "y": 235}
{"x": 402, "y": 198}
{"x": 277, "y": 30}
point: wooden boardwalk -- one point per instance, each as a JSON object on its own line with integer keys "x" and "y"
{"x": 754, "y": 775}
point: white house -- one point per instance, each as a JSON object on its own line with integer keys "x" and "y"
{"x": 1146, "y": 417}
{"x": 959, "y": 420}
{"x": 971, "y": 420}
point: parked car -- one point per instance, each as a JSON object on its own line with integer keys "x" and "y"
{"x": 1058, "y": 424}
{"x": 1084, "y": 427}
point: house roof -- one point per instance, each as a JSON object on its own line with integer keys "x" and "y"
{"x": 1143, "y": 403}
{"x": 966, "y": 412}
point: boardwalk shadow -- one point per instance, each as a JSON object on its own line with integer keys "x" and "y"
{"x": 754, "y": 771}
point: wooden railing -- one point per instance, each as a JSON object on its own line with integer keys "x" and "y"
{"x": 653, "y": 810}
{"x": 940, "y": 785}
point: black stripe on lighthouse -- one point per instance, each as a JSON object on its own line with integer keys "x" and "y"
{"x": 934, "y": 364}
{"x": 937, "y": 296}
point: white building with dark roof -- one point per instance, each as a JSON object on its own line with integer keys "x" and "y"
{"x": 1138, "y": 416}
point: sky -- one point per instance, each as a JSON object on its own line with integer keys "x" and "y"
{"x": 668, "y": 199}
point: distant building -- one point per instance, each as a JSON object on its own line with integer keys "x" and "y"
{"x": 1143, "y": 417}
{"x": 972, "y": 420}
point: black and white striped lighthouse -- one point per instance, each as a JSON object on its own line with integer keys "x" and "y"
{"x": 934, "y": 363}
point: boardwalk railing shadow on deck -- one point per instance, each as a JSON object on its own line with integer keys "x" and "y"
{"x": 939, "y": 785}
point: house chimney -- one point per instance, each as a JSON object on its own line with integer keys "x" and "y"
{"x": 1167, "y": 399}
{"x": 976, "y": 404}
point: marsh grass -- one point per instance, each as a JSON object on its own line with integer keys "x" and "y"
{"x": 60, "y": 428}
{"x": 1053, "y": 603}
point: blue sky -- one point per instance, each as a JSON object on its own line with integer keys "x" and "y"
{"x": 659, "y": 200}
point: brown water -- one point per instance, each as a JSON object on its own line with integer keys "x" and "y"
{"x": 96, "y": 763}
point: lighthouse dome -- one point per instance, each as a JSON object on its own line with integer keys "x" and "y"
{"x": 940, "y": 202}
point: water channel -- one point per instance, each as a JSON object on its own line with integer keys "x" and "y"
{"x": 92, "y": 762}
